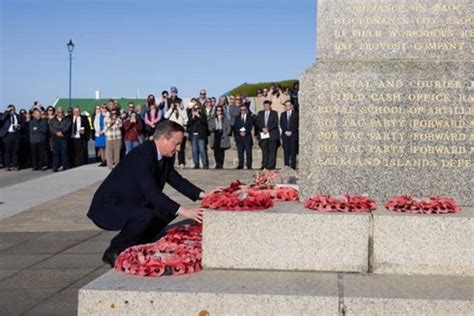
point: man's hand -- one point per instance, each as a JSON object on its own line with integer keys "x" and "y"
{"x": 288, "y": 133}
{"x": 265, "y": 130}
{"x": 195, "y": 214}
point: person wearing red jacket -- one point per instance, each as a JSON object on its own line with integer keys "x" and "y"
{"x": 133, "y": 127}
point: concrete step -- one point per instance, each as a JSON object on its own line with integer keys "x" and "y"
{"x": 288, "y": 237}
{"x": 224, "y": 292}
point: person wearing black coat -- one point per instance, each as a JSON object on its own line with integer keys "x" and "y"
{"x": 242, "y": 128}
{"x": 38, "y": 130}
{"x": 80, "y": 135}
{"x": 289, "y": 122}
{"x": 11, "y": 134}
{"x": 268, "y": 135}
{"x": 198, "y": 131}
{"x": 131, "y": 198}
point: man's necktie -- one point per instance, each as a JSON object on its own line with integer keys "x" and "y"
{"x": 74, "y": 127}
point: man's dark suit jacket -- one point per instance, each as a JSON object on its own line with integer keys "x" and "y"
{"x": 5, "y": 120}
{"x": 137, "y": 182}
{"x": 272, "y": 124}
{"x": 84, "y": 123}
{"x": 292, "y": 127}
{"x": 248, "y": 124}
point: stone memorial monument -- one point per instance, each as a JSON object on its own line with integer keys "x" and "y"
{"x": 388, "y": 107}
{"x": 387, "y": 110}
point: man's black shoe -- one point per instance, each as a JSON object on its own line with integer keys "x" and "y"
{"x": 239, "y": 167}
{"x": 110, "y": 257}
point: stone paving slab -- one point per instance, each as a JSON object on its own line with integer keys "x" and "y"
{"x": 14, "y": 302}
{"x": 41, "y": 246}
{"x": 20, "y": 261}
{"x": 71, "y": 261}
{"x": 90, "y": 246}
{"x": 62, "y": 304}
{"x": 44, "y": 278}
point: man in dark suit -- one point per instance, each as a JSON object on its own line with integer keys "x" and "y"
{"x": 131, "y": 199}
{"x": 243, "y": 136}
{"x": 289, "y": 122}
{"x": 80, "y": 134}
{"x": 268, "y": 135}
{"x": 11, "y": 134}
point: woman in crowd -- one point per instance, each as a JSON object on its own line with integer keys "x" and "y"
{"x": 177, "y": 113}
{"x": 38, "y": 130}
{"x": 219, "y": 139}
{"x": 152, "y": 116}
{"x": 132, "y": 127}
{"x": 225, "y": 105}
{"x": 197, "y": 130}
{"x": 100, "y": 129}
{"x": 113, "y": 133}
{"x": 208, "y": 109}
{"x": 60, "y": 128}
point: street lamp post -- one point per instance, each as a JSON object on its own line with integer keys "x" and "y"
{"x": 70, "y": 48}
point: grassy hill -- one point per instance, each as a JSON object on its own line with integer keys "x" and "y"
{"x": 250, "y": 89}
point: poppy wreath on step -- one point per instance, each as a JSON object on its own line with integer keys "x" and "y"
{"x": 423, "y": 205}
{"x": 178, "y": 252}
{"x": 340, "y": 204}
{"x": 241, "y": 197}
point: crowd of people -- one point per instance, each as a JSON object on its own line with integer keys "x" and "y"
{"x": 42, "y": 138}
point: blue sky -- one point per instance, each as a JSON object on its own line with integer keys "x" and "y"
{"x": 125, "y": 45}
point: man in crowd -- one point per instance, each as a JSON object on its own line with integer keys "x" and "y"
{"x": 234, "y": 108}
{"x": 243, "y": 136}
{"x": 38, "y": 130}
{"x": 202, "y": 98}
{"x": 60, "y": 129}
{"x": 131, "y": 198}
{"x": 289, "y": 122}
{"x": 268, "y": 135}
{"x": 80, "y": 134}
{"x": 164, "y": 104}
{"x": 10, "y": 131}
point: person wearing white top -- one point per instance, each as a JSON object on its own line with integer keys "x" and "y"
{"x": 177, "y": 113}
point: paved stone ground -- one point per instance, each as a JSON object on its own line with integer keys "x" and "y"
{"x": 51, "y": 250}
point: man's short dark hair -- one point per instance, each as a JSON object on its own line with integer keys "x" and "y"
{"x": 166, "y": 129}
{"x": 267, "y": 102}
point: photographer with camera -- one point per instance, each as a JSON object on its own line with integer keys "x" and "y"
{"x": 177, "y": 114}
{"x": 132, "y": 127}
{"x": 164, "y": 104}
{"x": 10, "y": 132}
{"x": 197, "y": 130}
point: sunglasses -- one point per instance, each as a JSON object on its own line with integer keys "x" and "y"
{"x": 218, "y": 110}
{"x": 202, "y": 93}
